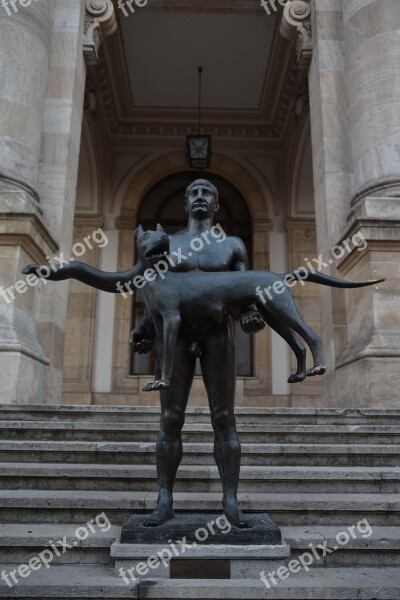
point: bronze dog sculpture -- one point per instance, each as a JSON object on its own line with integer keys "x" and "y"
{"x": 186, "y": 299}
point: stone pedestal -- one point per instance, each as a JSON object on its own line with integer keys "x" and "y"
{"x": 198, "y": 547}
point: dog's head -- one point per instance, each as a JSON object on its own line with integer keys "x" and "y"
{"x": 152, "y": 246}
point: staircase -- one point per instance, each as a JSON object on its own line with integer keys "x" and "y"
{"x": 317, "y": 472}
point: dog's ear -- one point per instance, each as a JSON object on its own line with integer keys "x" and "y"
{"x": 160, "y": 228}
{"x": 138, "y": 231}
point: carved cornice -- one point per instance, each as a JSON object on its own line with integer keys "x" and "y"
{"x": 100, "y": 19}
{"x": 88, "y": 222}
{"x": 125, "y": 223}
{"x": 29, "y": 232}
{"x": 262, "y": 225}
{"x": 296, "y": 27}
{"x": 300, "y": 225}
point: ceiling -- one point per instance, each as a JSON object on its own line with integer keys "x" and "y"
{"x": 149, "y": 80}
{"x": 163, "y": 50}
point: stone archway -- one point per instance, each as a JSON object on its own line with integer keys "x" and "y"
{"x": 259, "y": 205}
{"x": 132, "y": 191}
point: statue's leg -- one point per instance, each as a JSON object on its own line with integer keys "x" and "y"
{"x": 285, "y": 309}
{"x": 169, "y": 443}
{"x": 167, "y": 329}
{"x": 288, "y": 335}
{"x": 218, "y": 363}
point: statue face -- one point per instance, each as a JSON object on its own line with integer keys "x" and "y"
{"x": 201, "y": 202}
{"x": 152, "y": 246}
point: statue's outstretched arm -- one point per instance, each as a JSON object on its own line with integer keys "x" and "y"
{"x": 102, "y": 280}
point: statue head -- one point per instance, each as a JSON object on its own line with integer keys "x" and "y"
{"x": 152, "y": 246}
{"x": 202, "y": 191}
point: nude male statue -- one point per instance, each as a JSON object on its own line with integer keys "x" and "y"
{"x": 215, "y": 345}
{"x": 213, "y": 342}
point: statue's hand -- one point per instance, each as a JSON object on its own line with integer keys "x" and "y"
{"x": 141, "y": 341}
{"x": 251, "y": 321}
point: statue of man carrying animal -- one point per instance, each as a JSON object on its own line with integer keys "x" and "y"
{"x": 189, "y": 314}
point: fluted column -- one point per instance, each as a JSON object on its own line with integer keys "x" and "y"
{"x": 24, "y": 55}
{"x": 42, "y": 82}
{"x": 60, "y": 150}
{"x": 372, "y": 44}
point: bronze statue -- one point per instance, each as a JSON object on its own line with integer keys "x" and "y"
{"x": 198, "y": 300}
{"x": 206, "y": 331}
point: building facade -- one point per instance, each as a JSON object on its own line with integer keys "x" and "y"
{"x": 303, "y": 105}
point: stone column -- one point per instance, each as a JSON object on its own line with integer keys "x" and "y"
{"x": 24, "y": 54}
{"x": 104, "y": 322}
{"x": 42, "y": 80}
{"x": 75, "y": 23}
{"x": 369, "y": 364}
{"x": 372, "y": 46}
{"x": 280, "y": 351}
{"x": 320, "y": 38}
{"x": 355, "y": 125}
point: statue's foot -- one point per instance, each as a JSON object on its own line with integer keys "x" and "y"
{"x": 156, "y": 385}
{"x": 235, "y": 516}
{"x": 160, "y": 515}
{"x": 297, "y": 377}
{"x": 316, "y": 370}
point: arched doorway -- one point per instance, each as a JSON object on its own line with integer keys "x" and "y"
{"x": 164, "y": 204}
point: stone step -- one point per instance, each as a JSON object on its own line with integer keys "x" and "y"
{"x": 198, "y": 453}
{"x": 320, "y": 546}
{"x": 88, "y": 581}
{"x": 77, "y": 506}
{"x": 195, "y": 478}
{"x": 73, "y": 581}
{"x": 19, "y": 542}
{"x": 316, "y": 584}
{"x": 367, "y": 546}
{"x": 137, "y": 414}
{"x": 197, "y": 432}
{"x": 359, "y": 545}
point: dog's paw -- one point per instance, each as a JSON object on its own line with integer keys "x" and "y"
{"x": 319, "y": 370}
{"x": 297, "y": 378}
{"x": 30, "y": 269}
{"x": 156, "y": 385}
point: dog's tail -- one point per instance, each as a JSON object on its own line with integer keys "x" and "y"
{"x": 303, "y": 274}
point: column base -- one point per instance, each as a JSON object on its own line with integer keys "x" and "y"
{"x": 370, "y": 381}
{"x": 22, "y": 379}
